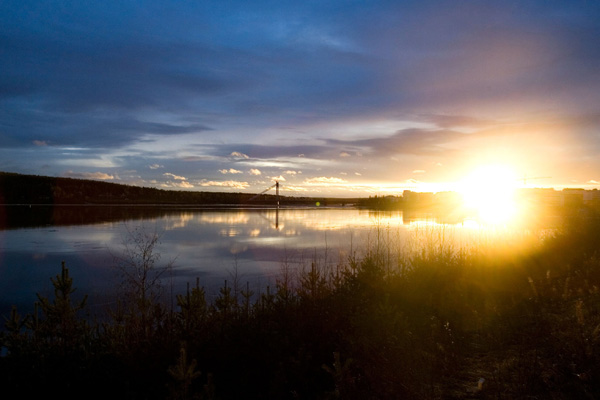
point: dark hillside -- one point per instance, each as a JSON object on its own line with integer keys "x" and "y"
{"x": 34, "y": 189}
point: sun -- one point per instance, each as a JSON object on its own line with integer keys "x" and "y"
{"x": 489, "y": 191}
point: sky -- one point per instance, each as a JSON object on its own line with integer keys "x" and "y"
{"x": 340, "y": 98}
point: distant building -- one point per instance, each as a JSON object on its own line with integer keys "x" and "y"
{"x": 572, "y": 197}
{"x": 591, "y": 197}
{"x": 409, "y": 196}
{"x": 417, "y": 198}
{"x": 533, "y": 197}
{"x": 540, "y": 196}
{"x": 447, "y": 198}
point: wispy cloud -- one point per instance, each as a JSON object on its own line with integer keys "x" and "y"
{"x": 90, "y": 175}
{"x": 230, "y": 171}
{"x": 323, "y": 181}
{"x": 177, "y": 185}
{"x": 176, "y": 177}
{"x": 406, "y": 141}
{"x": 226, "y": 184}
{"x": 292, "y": 188}
{"x": 238, "y": 155}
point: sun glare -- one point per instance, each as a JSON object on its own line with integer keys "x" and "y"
{"x": 489, "y": 191}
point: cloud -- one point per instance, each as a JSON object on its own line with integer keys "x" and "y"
{"x": 294, "y": 188}
{"x": 238, "y": 155}
{"x": 196, "y": 158}
{"x": 155, "y": 166}
{"x": 254, "y": 171}
{"x": 179, "y": 185}
{"x": 241, "y": 151}
{"x": 449, "y": 121}
{"x": 93, "y": 129}
{"x": 176, "y": 177}
{"x": 230, "y": 171}
{"x": 418, "y": 171}
{"x": 40, "y": 143}
{"x": 228, "y": 184}
{"x": 324, "y": 181}
{"x": 414, "y": 141}
{"x": 89, "y": 175}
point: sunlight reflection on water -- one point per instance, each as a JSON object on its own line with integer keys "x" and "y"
{"x": 211, "y": 244}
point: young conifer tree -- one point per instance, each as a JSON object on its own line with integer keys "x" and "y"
{"x": 60, "y": 324}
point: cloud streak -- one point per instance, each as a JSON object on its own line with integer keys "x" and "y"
{"x": 176, "y": 177}
{"x": 89, "y": 175}
{"x": 225, "y": 184}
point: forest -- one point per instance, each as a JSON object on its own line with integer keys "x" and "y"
{"x": 34, "y": 189}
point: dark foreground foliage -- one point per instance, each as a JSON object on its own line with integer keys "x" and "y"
{"x": 435, "y": 324}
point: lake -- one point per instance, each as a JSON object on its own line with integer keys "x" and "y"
{"x": 211, "y": 244}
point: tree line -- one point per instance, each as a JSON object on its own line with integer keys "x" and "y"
{"x": 34, "y": 189}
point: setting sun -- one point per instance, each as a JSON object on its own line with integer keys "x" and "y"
{"x": 489, "y": 191}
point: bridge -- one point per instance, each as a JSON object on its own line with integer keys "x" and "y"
{"x": 276, "y": 186}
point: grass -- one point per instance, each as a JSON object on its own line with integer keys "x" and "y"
{"x": 414, "y": 318}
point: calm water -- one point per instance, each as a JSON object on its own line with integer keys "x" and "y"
{"x": 210, "y": 244}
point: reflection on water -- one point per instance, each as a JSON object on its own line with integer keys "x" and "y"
{"x": 224, "y": 218}
{"x": 179, "y": 222}
{"x": 209, "y": 243}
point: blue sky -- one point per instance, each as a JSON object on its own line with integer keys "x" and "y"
{"x": 345, "y": 98}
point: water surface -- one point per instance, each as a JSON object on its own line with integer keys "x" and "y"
{"x": 211, "y": 244}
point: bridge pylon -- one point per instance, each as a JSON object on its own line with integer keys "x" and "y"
{"x": 276, "y": 186}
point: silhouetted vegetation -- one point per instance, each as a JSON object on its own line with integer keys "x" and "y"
{"x": 381, "y": 202}
{"x": 33, "y": 189}
{"x": 433, "y": 322}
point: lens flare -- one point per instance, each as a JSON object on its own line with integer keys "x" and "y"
{"x": 489, "y": 192}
